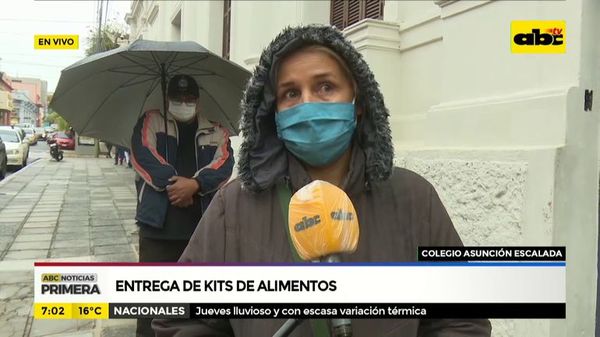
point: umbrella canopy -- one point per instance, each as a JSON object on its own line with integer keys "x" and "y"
{"x": 103, "y": 95}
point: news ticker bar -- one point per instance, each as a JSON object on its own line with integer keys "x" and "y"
{"x": 493, "y": 253}
{"x": 297, "y": 310}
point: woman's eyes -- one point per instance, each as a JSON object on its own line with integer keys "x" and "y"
{"x": 290, "y": 94}
{"x": 324, "y": 88}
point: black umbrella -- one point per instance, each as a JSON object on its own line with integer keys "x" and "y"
{"x": 103, "y": 95}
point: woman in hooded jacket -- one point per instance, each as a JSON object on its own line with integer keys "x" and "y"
{"x": 313, "y": 111}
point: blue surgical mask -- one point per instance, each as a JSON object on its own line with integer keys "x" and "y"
{"x": 317, "y": 133}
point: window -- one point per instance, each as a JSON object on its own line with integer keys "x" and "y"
{"x": 348, "y": 12}
{"x": 226, "y": 27}
{"x": 9, "y": 136}
{"x": 88, "y": 141}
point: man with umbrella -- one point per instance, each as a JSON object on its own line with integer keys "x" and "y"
{"x": 178, "y": 173}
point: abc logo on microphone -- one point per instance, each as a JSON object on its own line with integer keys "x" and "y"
{"x": 322, "y": 221}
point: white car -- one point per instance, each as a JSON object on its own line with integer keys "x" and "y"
{"x": 17, "y": 149}
{"x": 30, "y": 136}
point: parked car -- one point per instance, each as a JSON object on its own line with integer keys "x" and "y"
{"x": 19, "y": 130}
{"x": 17, "y": 148}
{"x": 64, "y": 141}
{"x": 3, "y": 160}
{"x": 30, "y": 136}
{"x": 24, "y": 125}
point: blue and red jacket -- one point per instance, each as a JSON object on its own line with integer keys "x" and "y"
{"x": 154, "y": 163}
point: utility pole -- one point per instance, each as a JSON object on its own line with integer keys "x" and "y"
{"x": 98, "y": 49}
{"x": 99, "y": 45}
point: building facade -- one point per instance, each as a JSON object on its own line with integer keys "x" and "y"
{"x": 6, "y": 100}
{"x": 510, "y": 141}
{"x": 37, "y": 91}
{"x": 25, "y": 110}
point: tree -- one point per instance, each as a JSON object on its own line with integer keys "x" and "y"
{"x": 108, "y": 38}
{"x": 54, "y": 118}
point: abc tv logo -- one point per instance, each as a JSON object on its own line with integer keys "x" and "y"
{"x": 553, "y": 36}
{"x": 538, "y": 37}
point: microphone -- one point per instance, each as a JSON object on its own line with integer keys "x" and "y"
{"x": 323, "y": 224}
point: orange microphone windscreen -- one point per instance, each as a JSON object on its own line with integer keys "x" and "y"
{"x": 322, "y": 221}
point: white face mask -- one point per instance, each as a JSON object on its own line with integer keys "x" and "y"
{"x": 182, "y": 112}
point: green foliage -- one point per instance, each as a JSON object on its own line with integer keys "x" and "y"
{"x": 54, "y": 118}
{"x": 106, "y": 40}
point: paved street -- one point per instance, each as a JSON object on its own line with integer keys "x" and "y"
{"x": 79, "y": 209}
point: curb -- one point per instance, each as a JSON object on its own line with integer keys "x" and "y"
{"x": 9, "y": 178}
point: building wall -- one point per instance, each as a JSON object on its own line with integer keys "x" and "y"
{"x": 5, "y": 82}
{"x": 24, "y": 108}
{"x": 500, "y": 134}
{"x": 209, "y": 29}
{"x": 33, "y": 90}
{"x": 503, "y": 137}
{"x": 256, "y": 23}
{"x": 155, "y": 20}
{"x": 6, "y": 107}
{"x": 36, "y": 91}
{"x": 41, "y": 88}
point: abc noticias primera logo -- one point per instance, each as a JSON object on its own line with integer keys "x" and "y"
{"x": 70, "y": 284}
{"x": 538, "y": 37}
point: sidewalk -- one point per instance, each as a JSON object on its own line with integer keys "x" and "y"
{"x": 79, "y": 209}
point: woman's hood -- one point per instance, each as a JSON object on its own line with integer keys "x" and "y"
{"x": 263, "y": 158}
